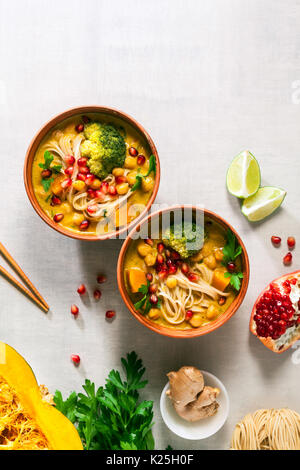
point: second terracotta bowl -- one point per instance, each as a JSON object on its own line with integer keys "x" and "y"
{"x": 172, "y": 332}
{"x": 52, "y": 124}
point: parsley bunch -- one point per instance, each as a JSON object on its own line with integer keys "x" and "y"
{"x": 112, "y": 417}
{"x": 139, "y": 177}
{"x": 48, "y": 158}
{"x": 230, "y": 252}
{"x": 144, "y": 305}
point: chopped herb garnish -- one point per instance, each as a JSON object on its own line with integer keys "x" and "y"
{"x": 48, "y": 157}
{"x": 144, "y": 305}
{"x": 46, "y": 183}
{"x": 231, "y": 251}
{"x": 139, "y": 177}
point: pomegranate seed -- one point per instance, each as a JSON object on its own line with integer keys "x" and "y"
{"x": 121, "y": 179}
{"x": 160, "y": 259}
{"x": 168, "y": 254}
{"x": 160, "y": 247}
{"x": 84, "y": 225}
{"x": 46, "y": 174}
{"x": 55, "y": 201}
{"x": 141, "y": 160}
{"x": 85, "y": 119}
{"x": 153, "y": 299}
{"x": 175, "y": 256}
{"x": 58, "y": 217}
{"x": 163, "y": 275}
{"x": 104, "y": 187}
{"x": 69, "y": 171}
{"x": 91, "y": 193}
{"x": 66, "y": 183}
{"x": 81, "y": 289}
{"x": 92, "y": 208}
{"x": 276, "y": 240}
{"x": 192, "y": 277}
{"x": 288, "y": 258}
{"x": 110, "y": 313}
{"x": 75, "y": 358}
{"x": 293, "y": 281}
{"x": 188, "y": 314}
{"x": 81, "y": 176}
{"x": 149, "y": 241}
{"x": 291, "y": 242}
{"x": 172, "y": 269}
{"x": 152, "y": 288}
{"x": 222, "y": 300}
{"x": 74, "y": 310}
{"x": 97, "y": 294}
{"x": 79, "y": 127}
{"x": 185, "y": 268}
{"x": 89, "y": 179}
{"x": 133, "y": 151}
{"x": 101, "y": 279}
{"x": 231, "y": 266}
{"x": 82, "y": 161}
{"x": 99, "y": 195}
{"x": 70, "y": 160}
{"x": 112, "y": 190}
{"x": 149, "y": 277}
{"x": 84, "y": 170}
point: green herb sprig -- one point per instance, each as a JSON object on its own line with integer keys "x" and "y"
{"x": 112, "y": 417}
{"x": 139, "y": 177}
{"x": 48, "y": 159}
{"x": 231, "y": 251}
{"x": 144, "y": 305}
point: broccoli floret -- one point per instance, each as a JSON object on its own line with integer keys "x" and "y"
{"x": 186, "y": 238}
{"x": 105, "y": 148}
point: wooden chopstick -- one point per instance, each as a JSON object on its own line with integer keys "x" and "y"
{"x": 22, "y": 275}
{"x": 23, "y": 289}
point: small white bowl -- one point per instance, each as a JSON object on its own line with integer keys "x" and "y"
{"x": 199, "y": 429}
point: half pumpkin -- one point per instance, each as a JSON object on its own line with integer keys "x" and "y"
{"x": 275, "y": 317}
{"x": 26, "y": 420}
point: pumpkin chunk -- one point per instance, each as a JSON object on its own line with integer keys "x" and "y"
{"x": 56, "y": 185}
{"x": 136, "y": 278}
{"x": 219, "y": 281}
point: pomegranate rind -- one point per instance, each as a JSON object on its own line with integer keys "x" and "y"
{"x": 269, "y": 342}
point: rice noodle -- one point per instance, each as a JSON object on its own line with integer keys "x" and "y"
{"x": 187, "y": 295}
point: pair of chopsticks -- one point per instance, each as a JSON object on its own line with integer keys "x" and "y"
{"x": 32, "y": 293}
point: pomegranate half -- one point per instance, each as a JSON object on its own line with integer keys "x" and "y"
{"x": 275, "y": 317}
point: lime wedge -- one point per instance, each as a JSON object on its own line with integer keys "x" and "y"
{"x": 243, "y": 175}
{"x": 263, "y": 203}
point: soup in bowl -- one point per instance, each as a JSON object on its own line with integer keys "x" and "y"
{"x": 91, "y": 171}
{"x": 183, "y": 271}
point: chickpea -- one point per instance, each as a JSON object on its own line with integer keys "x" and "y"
{"x": 196, "y": 320}
{"x": 65, "y": 208}
{"x": 122, "y": 188}
{"x": 131, "y": 177}
{"x": 130, "y": 162}
{"x": 212, "y": 312}
{"x": 78, "y": 218}
{"x": 144, "y": 249}
{"x": 219, "y": 255}
{"x": 171, "y": 282}
{"x": 210, "y": 261}
{"x": 118, "y": 171}
{"x": 95, "y": 184}
{"x": 150, "y": 259}
{"x": 207, "y": 249}
{"x": 154, "y": 313}
{"x": 79, "y": 185}
{"x": 147, "y": 184}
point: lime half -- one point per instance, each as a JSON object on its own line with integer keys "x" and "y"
{"x": 263, "y": 203}
{"x": 243, "y": 175}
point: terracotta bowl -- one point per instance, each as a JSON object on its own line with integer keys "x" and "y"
{"x": 56, "y": 120}
{"x": 172, "y": 332}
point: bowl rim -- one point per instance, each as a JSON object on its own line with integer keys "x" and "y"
{"x": 208, "y": 376}
{"x": 172, "y": 332}
{"x": 38, "y": 137}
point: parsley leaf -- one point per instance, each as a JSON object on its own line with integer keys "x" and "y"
{"x": 48, "y": 160}
{"x": 144, "y": 304}
{"x": 112, "y": 417}
{"x": 56, "y": 168}
{"x": 138, "y": 183}
{"x": 139, "y": 177}
{"x": 230, "y": 252}
{"x": 46, "y": 183}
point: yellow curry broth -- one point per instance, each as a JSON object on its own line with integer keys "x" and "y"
{"x": 214, "y": 242}
{"x": 136, "y": 202}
